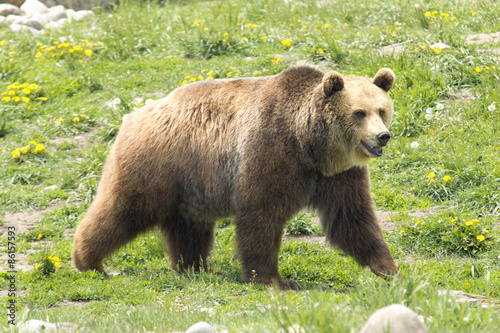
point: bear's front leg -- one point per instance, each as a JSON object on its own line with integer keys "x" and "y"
{"x": 267, "y": 195}
{"x": 347, "y": 214}
{"x": 259, "y": 240}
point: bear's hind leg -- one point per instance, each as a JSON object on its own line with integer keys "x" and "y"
{"x": 103, "y": 230}
{"x": 189, "y": 243}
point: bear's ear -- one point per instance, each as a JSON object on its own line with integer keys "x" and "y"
{"x": 332, "y": 82}
{"x": 384, "y": 79}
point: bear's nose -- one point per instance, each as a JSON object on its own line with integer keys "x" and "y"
{"x": 383, "y": 138}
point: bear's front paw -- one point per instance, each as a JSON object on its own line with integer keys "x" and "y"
{"x": 288, "y": 284}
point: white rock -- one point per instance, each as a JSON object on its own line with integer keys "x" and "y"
{"x": 82, "y": 14}
{"x": 201, "y": 327}
{"x": 14, "y": 19}
{"x": 32, "y": 7}
{"x": 56, "y": 13}
{"x": 22, "y": 27}
{"x": 51, "y": 188}
{"x": 394, "y": 318}
{"x": 38, "y": 326}
{"x": 8, "y": 9}
{"x": 70, "y": 13}
{"x": 55, "y": 25}
{"x": 2, "y": 19}
{"x": 42, "y": 18}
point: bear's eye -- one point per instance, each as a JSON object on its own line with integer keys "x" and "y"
{"x": 360, "y": 114}
{"x": 381, "y": 113}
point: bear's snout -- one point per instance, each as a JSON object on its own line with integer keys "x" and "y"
{"x": 383, "y": 138}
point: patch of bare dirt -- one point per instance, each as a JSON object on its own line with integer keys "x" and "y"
{"x": 69, "y": 304}
{"x": 483, "y": 38}
{"x": 461, "y": 95}
{"x": 461, "y": 297}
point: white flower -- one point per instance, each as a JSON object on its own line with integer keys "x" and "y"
{"x": 428, "y": 116}
{"x": 138, "y": 100}
{"x": 492, "y": 107}
{"x": 414, "y": 145}
{"x": 114, "y": 103}
{"x": 428, "y": 110}
{"x": 439, "y": 106}
{"x": 148, "y": 101}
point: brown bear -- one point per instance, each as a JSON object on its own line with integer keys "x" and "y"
{"x": 260, "y": 149}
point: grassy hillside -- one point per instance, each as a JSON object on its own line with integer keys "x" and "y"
{"x": 62, "y": 98}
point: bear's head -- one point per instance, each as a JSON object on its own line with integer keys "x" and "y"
{"x": 355, "y": 112}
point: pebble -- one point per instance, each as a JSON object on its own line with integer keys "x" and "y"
{"x": 394, "y": 318}
{"x": 34, "y": 16}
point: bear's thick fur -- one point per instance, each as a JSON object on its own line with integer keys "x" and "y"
{"x": 260, "y": 149}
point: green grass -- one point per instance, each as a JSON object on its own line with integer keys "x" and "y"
{"x": 145, "y": 49}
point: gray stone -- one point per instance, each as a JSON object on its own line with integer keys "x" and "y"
{"x": 32, "y": 7}
{"x": 16, "y": 3}
{"x": 32, "y": 23}
{"x": 201, "y": 327}
{"x": 395, "y": 318}
{"x": 81, "y": 14}
{"x": 8, "y": 9}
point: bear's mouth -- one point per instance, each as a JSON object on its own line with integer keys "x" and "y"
{"x": 376, "y": 151}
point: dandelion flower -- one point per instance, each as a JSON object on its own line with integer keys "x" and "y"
{"x": 468, "y": 223}
{"x": 414, "y": 145}
{"x": 478, "y": 69}
{"x": 287, "y": 42}
{"x": 439, "y": 106}
{"x": 480, "y": 238}
{"x": 25, "y": 99}
{"x": 6, "y": 99}
{"x": 428, "y": 116}
{"x": 39, "y": 236}
{"x": 492, "y": 107}
{"x": 148, "y": 101}
{"x": 16, "y": 153}
{"x": 38, "y": 266}
{"x": 76, "y": 119}
{"x": 38, "y": 55}
{"x": 486, "y": 231}
{"x": 39, "y": 148}
{"x": 326, "y": 26}
{"x": 431, "y": 175}
{"x": 26, "y": 91}
{"x": 446, "y": 178}
{"x": 58, "y": 121}
{"x": 264, "y": 38}
{"x": 88, "y": 53}
{"x": 25, "y": 149}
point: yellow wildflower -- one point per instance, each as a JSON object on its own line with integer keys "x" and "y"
{"x": 25, "y": 99}
{"x": 327, "y": 26}
{"x": 40, "y": 236}
{"x": 38, "y": 266}
{"x": 287, "y": 42}
{"x": 43, "y": 98}
{"x": 446, "y": 178}
{"x": 88, "y": 53}
{"x": 437, "y": 50}
{"x": 26, "y": 91}
{"x": 478, "y": 69}
{"x": 480, "y": 238}
{"x": 39, "y": 148}
{"x": 59, "y": 121}
{"x": 33, "y": 86}
{"x": 38, "y": 55}
{"x": 6, "y": 99}
{"x": 431, "y": 175}
{"x": 16, "y": 153}
{"x": 25, "y": 149}
{"x": 3, "y": 42}
{"x": 12, "y": 92}
{"x": 468, "y": 223}
{"x": 33, "y": 143}
{"x": 264, "y": 38}
{"x": 76, "y": 119}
